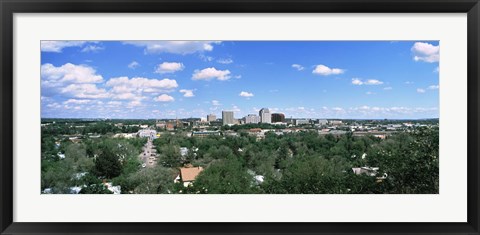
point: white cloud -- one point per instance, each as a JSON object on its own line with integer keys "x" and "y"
{"x": 134, "y": 103}
{"x": 235, "y": 108}
{"x": 114, "y": 103}
{"x": 92, "y": 48}
{"x": 211, "y": 73}
{"x": 420, "y": 90}
{"x": 369, "y": 93}
{"x": 437, "y": 69}
{"x": 54, "y": 105}
{"x": 139, "y": 84}
{"x": 298, "y": 67}
{"x": 225, "y": 61}
{"x": 205, "y": 58}
{"x": 433, "y": 87}
{"x": 388, "y": 88}
{"x": 57, "y": 46}
{"x": 325, "y": 71}
{"x": 216, "y": 103}
{"x": 426, "y": 52}
{"x": 358, "y": 81}
{"x": 85, "y": 91}
{"x": 187, "y": 93}
{"x": 373, "y": 82}
{"x": 246, "y": 94}
{"x": 169, "y": 67}
{"x": 68, "y": 73}
{"x": 75, "y": 101}
{"x": 175, "y": 47}
{"x": 164, "y": 98}
{"x": 133, "y": 65}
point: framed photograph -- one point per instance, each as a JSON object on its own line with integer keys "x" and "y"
{"x": 224, "y": 117}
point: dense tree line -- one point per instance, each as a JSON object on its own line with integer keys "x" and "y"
{"x": 307, "y": 162}
{"x": 293, "y": 163}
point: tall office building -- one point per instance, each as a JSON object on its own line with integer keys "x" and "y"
{"x": 265, "y": 116}
{"x": 252, "y": 118}
{"x": 278, "y": 117}
{"x": 211, "y": 118}
{"x": 227, "y": 118}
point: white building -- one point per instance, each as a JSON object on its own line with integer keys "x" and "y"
{"x": 147, "y": 133}
{"x": 265, "y": 115}
{"x": 227, "y": 118}
{"x": 322, "y": 122}
{"x": 252, "y": 118}
{"x": 302, "y": 121}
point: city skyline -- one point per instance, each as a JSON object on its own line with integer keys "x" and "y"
{"x": 173, "y": 79}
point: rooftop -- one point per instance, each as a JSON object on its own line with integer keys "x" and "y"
{"x": 189, "y": 174}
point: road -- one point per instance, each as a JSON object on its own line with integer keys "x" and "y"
{"x": 149, "y": 154}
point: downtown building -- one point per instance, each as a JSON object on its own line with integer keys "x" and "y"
{"x": 265, "y": 115}
{"x": 211, "y": 118}
{"x": 227, "y": 118}
{"x": 252, "y": 118}
{"x": 278, "y": 117}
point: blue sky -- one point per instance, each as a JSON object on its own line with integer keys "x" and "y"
{"x": 170, "y": 79}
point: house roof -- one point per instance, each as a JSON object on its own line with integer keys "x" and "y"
{"x": 189, "y": 174}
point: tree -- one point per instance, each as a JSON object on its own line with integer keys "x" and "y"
{"x": 410, "y": 161}
{"x": 226, "y": 176}
{"x": 107, "y": 164}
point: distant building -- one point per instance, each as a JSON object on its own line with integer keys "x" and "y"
{"x": 335, "y": 122}
{"x": 278, "y": 117}
{"x": 205, "y": 133}
{"x": 211, "y": 118}
{"x": 227, "y": 118}
{"x": 152, "y": 134}
{"x": 302, "y": 121}
{"x": 322, "y": 122}
{"x": 252, "y": 118}
{"x": 160, "y": 124}
{"x": 170, "y": 126}
{"x": 265, "y": 115}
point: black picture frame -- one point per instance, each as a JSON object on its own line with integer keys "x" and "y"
{"x": 9, "y": 7}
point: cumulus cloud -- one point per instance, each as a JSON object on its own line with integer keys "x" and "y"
{"x": 187, "y": 93}
{"x": 216, "y": 103}
{"x": 298, "y": 67}
{"x": 85, "y": 91}
{"x": 433, "y": 87}
{"x": 246, "y": 94}
{"x": 164, "y": 98}
{"x": 68, "y": 73}
{"x": 133, "y": 65}
{"x": 169, "y": 67}
{"x": 211, "y": 73}
{"x": 325, "y": 71}
{"x": 426, "y": 52}
{"x": 420, "y": 90}
{"x": 57, "y": 46}
{"x": 388, "y": 88}
{"x": 140, "y": 84}
{"x": 92, "y": 48}
{"x": 75, "y": 101}
{"x": 358, "y": 81}
{"x": 174, "y": 47}
{"x": 225, "y": 61}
